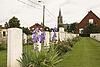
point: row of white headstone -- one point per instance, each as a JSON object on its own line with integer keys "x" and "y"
{"x": 95, "y": 36}
{"x": 14, "y": 49}
{"x": 62, "y": 36}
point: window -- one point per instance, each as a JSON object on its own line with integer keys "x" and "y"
{"x": 4, "y": 33}
{"x": 32, "y": 28}
{"x": 40, "y": 28}
{"x": 81, "y": 30}
{"x": 90, "y": 20}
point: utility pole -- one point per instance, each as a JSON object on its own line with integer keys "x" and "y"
{"x": 43, "y": 12}
{"x": 43, "y": 15}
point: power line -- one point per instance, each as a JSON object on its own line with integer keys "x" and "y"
{"x": 34, "y": 3}
{"x": 27, "y": 4}
{"x": 45, "y": 8}
{"x": 51, "y": 15}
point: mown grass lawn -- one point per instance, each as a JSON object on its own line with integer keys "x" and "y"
{"x": 85, "y": 53}
{"x": 3, "y": 58}
{"x": 3, "y": 54}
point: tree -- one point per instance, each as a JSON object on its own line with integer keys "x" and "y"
{"x": 97, "y": 29}
{"x": 72, "y": 28}
{"x": 89, "y": 28}
{"x": 26, "y": 31}
{"x": 13, "y": 23}
{"x": 92, "y": 28}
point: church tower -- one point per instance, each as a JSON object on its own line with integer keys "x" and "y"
{"x": 60, "y": 19}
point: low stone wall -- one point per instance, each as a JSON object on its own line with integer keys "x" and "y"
{"x": 95, "y": 36}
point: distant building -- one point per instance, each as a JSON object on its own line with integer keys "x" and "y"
{"x": 60, "y": 21}
{"x": 3, "y": 35}
{"x": 89, "y": 18}
{"x": 40, "y": 27}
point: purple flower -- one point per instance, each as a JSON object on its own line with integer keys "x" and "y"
{"x": 42, "y": 38}
{"x": 24, "y": 53}
{"x": 54, "y": 29}
{"x": 35, "y": 39}
{"x": 36, "y": 48}
{"x": 37, "y": 29}
{"x": 34, "y": 32}
{"x": 43, "y": 33}
{"x": 53, "y": 38}
{"x": 54, "y": 35}
{"x": 41, "y": 41}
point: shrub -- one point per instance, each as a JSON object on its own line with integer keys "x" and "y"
{"x": 62, "y": 47}
{"x": 3, "y": 47}
{"x": 70, "y": 43}
{"x": 44, "y": 58}
{"x": 29, "y": 41}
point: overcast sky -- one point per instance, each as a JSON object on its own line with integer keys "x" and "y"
{"x": 72, "y": 11}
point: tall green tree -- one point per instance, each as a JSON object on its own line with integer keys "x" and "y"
{"x": 13, "y": 23}
{"x": 89, "y": 28}
{"x": 72, "y": 28}
{"x": 97, "y": 29}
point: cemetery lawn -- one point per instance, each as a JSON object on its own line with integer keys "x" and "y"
{"x": 3, "y": 58}
{"x": 3, "y": 54}
{"x": 85, "y": 53}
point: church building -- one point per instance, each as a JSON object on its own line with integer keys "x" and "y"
{"x": 60, "y": 21}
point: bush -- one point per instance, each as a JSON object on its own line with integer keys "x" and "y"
{"x": 44, "y": 58}
{"x": 3, "y": 47}
{"x": 70, "y": 43}
{"x": 29, "y": 42}
{"x": 76, "y": 39}
{"x": 62, "y": 47}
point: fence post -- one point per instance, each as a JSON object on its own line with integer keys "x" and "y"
{"x": 14, "y": 49}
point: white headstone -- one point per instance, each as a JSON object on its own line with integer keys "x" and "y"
{"x": 46, "y": 41}
{"x": 25, "y": 38}
{"x": 62, "y": 36}
{"x": 66, "y": 36}
{"x": 52, "y": 33}
{"x": 61, "y": 29}
{"x": 57, "y": 38}
{"x": 14, "y": 50}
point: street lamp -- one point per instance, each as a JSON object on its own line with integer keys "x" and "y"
{"x": 43, "y": 12}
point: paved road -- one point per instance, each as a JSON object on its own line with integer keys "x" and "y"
{"x": 85, "y": 53}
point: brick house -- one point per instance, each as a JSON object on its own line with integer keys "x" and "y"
{"x": 89, "y": 18}
{"x": 3, "y": 35}
{"x": 36, "y": 26}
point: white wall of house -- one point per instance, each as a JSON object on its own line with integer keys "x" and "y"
{"x": 4, "y": 34}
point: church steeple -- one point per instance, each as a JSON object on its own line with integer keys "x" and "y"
{"x": 60, "y": 19}
{"x": 59, "y": 12}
